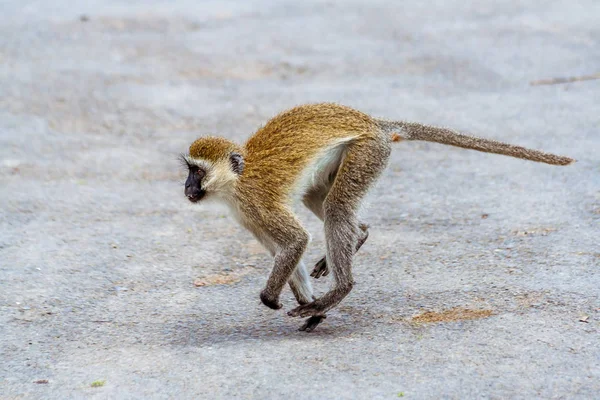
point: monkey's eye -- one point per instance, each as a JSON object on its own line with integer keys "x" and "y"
{"x": 201, "y": 173}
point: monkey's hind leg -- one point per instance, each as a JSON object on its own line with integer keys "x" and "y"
{"x": 362, "y": 165}
{"x": 313, "y": 200}
{"x": 321, "y": 269}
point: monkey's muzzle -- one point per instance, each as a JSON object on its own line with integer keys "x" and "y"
{"x": 195, "y": 195}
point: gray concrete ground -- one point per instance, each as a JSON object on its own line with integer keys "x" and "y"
{"x": 99, "y": 250}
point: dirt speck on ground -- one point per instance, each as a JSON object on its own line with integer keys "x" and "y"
{"x": 452, "y": 315}
{"x": 224, "y": 278}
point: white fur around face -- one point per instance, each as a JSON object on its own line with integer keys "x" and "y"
{"x": 219, "y": 180}
{"x": 199, "y": 162}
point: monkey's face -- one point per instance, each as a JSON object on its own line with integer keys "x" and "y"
{"x": 211, "y": 179}
{"x": 193, "y": 184}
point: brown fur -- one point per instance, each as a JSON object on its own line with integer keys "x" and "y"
{"x": 212, "y": 148}
{"x": 278, "y": 152}
{"x": 329, "y": 154}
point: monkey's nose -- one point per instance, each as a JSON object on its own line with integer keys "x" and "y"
{"x": 194, "y": 195}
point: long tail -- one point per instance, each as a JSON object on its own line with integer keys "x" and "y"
{"x": 415, "y": 131}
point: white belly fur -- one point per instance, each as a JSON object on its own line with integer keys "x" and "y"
{"x": 317, "y": 174}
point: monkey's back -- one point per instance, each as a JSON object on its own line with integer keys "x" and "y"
{"x": 278, "y": 153}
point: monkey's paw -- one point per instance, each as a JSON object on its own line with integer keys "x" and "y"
{"x": 320, "y": 269}
{"x": 312, "y": 323}
{"x": 313, "y": 309}
{"x": 270, "y": 301}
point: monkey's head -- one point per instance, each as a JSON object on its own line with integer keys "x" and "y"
{"x": 214, "y": 166}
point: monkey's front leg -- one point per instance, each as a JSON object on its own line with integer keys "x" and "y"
{"x": 284, "y": 264}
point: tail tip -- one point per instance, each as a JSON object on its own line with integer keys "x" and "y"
{"x": 567, "y": 161}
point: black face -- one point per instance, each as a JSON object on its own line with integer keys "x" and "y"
{"x": 193, "y": 184}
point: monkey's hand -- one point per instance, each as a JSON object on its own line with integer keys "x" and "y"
{"x": 320, "y": 269}
{"x": 270, "y": 301}
{"x": 312, "y": 323}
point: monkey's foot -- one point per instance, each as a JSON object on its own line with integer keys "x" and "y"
{"x": 312, "y": 323}
{"x": 313, "y": 309}
{"x": 270, "y": 301}
{"x": 320, "y": 269}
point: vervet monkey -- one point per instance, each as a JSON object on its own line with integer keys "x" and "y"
{"x": 328, "y": 155}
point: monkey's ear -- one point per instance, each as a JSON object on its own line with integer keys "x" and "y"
{"x": 237, "y": 163}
